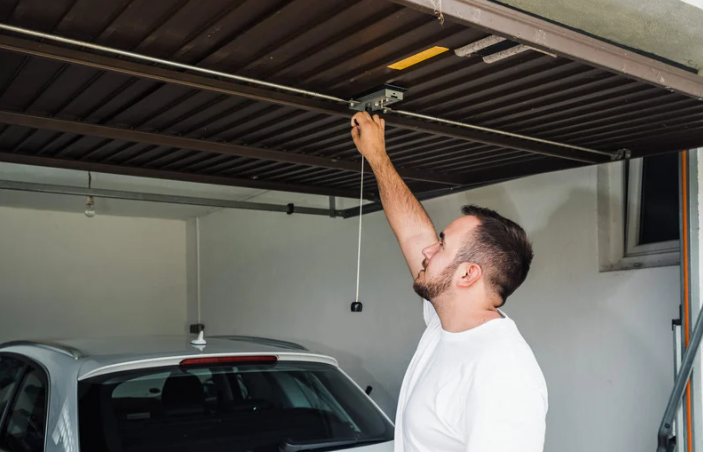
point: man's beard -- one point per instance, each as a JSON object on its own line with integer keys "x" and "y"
{"x": 430, "y": 290}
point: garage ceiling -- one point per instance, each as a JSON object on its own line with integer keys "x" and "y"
{"x": 670, "y": 29}
{"x": 68, "y": 107}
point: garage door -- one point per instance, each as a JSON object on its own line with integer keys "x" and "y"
{"x": 70, "y": 106}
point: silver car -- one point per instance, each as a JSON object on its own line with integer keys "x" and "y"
{"x": 231, "y": 394}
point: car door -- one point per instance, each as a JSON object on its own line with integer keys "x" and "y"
{"x": 23, "y": 404}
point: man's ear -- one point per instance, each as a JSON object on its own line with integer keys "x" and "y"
{"x": 469, "y": 273}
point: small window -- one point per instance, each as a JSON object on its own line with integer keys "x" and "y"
{"x": 659, "y": 212}
{"x": 24, "y": 429}
{"x": 652, "y": 220}
{"x": 10, "y": 371}
{"x": 638, "y": 212}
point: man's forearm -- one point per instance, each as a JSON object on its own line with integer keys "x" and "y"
{"x": 408, "y": 219}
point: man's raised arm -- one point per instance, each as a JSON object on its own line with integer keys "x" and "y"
{"x": 408, "y": 219}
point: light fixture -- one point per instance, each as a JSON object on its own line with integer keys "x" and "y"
{"x": 481, "y": 44}
{"x": 490, "y": 41}
{"x": 418, "y": 58}
{"x": 503, "y": 54}
{"x": 90, "y": 207}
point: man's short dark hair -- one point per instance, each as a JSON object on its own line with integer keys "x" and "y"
{"x": 502, "y": 249}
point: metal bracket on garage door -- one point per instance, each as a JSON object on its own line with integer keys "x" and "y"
{"x": 378, "y": 99}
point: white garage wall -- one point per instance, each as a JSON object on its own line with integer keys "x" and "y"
{"x": 602, "y": 339}
{"x": 65, "y": 275}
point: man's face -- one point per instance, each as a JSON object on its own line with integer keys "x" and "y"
{"x": 439, "y": 266}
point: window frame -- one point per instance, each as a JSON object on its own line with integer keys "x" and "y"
{"x": 29, "y": 364}
{"x": 619, "y": 185}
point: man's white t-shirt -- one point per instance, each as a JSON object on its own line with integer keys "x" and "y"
{"x": 476, "y": 391}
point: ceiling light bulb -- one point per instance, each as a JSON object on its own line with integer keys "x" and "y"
{"x": 89, "y": 207}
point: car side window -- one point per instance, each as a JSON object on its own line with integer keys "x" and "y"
{"x": 10, "y": 371}
{"x": 25, "y": 423}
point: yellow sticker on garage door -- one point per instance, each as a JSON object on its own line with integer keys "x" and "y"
{"x": 418, "y": 57}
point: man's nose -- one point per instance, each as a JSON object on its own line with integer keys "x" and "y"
{"x": 430, "y": 251}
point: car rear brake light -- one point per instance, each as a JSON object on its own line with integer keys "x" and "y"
{"x": 267, "y": 359}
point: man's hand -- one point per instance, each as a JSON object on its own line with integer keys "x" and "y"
{"x": 369, "y": 137}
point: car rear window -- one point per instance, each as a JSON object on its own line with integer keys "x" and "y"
{"x": 248, "y": 407}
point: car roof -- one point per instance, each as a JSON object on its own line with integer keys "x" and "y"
{"x": 120, "y": 353}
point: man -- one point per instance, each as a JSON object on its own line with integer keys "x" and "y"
{"x": 474, "y": 384}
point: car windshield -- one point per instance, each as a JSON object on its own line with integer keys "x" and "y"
{"x": 228, "y": 408}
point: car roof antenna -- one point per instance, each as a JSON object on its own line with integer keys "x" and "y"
{"x": 200, "y": 340}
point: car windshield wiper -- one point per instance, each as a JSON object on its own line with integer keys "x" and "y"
{"x": 292, "y": 446}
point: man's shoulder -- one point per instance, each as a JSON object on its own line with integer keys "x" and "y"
{"x": 507, "y": 356}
